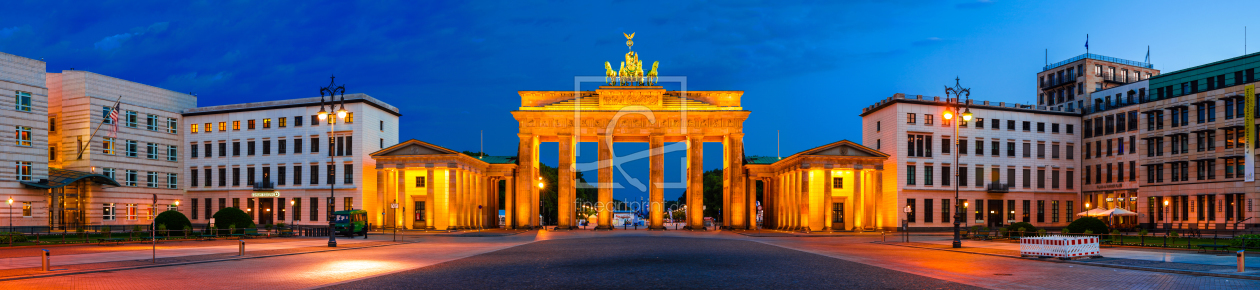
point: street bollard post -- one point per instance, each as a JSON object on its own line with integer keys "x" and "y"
{"x": 242, "y": 248}
{"x": 1241, "y": 262}
{"x": 45, "y": 261}
{"x": 883, "y": 236}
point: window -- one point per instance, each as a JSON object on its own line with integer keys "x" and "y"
{"x": 23, "y": 101}
{"x": 962, "y": 176}
{"x": 107, "y": 212}
{"x": 150, "y": 150}
{"x": 130, "y": 119}
{"x": 172, "y": 154}
{"x": 283, "y": 122}
{"x": 1010, "y": 125}
{"x": 348, "y": 174}
{"x": 1027, "y": 150}
{"x": 266, "y": 147}
{"x": 297, "y": 175}
{"x": 52, "y": 153}
{"x": 1054, "y": 128}
{"x": 151, "y": 122}
{"x": 911, "y": 118}
{"x": 979, "y": 147}
{"x": 131, "y": 211}
{"x": 281, "y": 174}
{"x": 236, "y": 125}
{"x": 383, "y": 126}
{"x": 282, "y": 146}
{"x": 1041, "y": 211}
{"x": 297, "y": 209}
{"x": 108, "y": 172}
{"x": 23, "y": 170}
{"x": 945, "y": 176}
{"x": 132, "y": 178}
{"x": 314, "y": 144}
{"x": 349, "y": 119}
{"x": 236, "y": 176}
{"x": 314, "y": 174}
{"x": 222, "y": 126}
{"x": 1027, "y": 210}
{"x": 266, "y": 123}
{"x": 1041, "y": 178}
{"x": 918, "y": 146}
{"x": 249, "y": 176}
{"x": 1027, "y": 178}
{"x": 996, "y": 123}
{"x": 1069, "y": 179}
{"x": 927, "y": 119}
{"x": 945, "y": 145}
{"x": 979, "y": 123}
{"x": 1070, "y": 149}
{"x": 236, "y": 148}
{"x": 297, "y": 121}
{"x": 994, "y": 148}
{"x": 195, "y": 128}
{"x": 927, "y": 177}
{"x": 910, "y": 174}
{"x": 172, "y": 126}
{"x": 1041, "y": 127}
{"x": 297, "y": 145}
{"x": 1041, "y": 150}
{"x": 1027, "y": 126}
{"x": 130, "y": 148}
{"x": 910, "y": 214}
{"x": 979, "y": 176}
{"x": 23, "y": 136}
{"x": 249, "y": 124}
{"x": 1010, "y": 149}
{"x": 151, "y": 179}
{"x": 193, "y": 174}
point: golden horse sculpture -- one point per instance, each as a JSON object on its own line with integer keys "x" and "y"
{"x": 651, "y": 76}
{"x": 610, "y": 76}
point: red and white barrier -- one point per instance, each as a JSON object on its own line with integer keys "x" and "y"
{"x": 1062, "y": 247}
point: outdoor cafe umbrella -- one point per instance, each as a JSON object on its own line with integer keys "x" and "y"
{"x": 1118, "y": 212}
{"x": 1092, "y": 212}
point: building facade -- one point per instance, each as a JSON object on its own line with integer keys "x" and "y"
{"x": 834, "y": 187}
{"x": 142, "y": 158}
{"x": 1194, "y": 129}
{"x": 25, "y": 153}
{"x": 1016, "y": 163}
{"x": 278, "y": 162}
{"x": 436, "y": 188}
{"x": 1063, "y": 85}
{"x": 1109, "y": 153}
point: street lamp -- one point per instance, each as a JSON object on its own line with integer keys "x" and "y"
{"x": 957, "y": 91}
{"x": 332, "y": 91}
{"x": 10, "y": 213}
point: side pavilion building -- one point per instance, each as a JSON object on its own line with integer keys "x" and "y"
{"x": 834, "y": 187}
{"x": 436, "y": 188}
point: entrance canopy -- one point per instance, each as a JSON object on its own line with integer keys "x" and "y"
{"x": 58, "y": 178}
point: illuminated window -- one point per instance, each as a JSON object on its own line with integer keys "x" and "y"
{"x": 132, "y": 178}
{"x": 222, "y": 126}
{"x": 131, "y": 211}
{"x": 838, "y": 182}
{"x": 236, "y": 125}
{"x": 172, "y": 126}
{"x": 107, "y": 212}
{"x": 23, "y": 170}
{"x": 250, "y": 125}
{"x": 283, "y": 122}
{"x": 23, "y": 136}
{"x": 349, "y": 117}
{"x": 26, "y": 209}
{"x": 195, "y": 128}
{"x": 266, "y": 123}
{"x": 109, "y": 145}
{"x": 23, "y": 101}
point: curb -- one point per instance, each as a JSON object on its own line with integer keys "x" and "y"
{"x": 1148, "y": 269}
{"x": 182, "y": 263}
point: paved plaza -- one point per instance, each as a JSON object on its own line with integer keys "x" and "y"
{"x": 608, "y": 259}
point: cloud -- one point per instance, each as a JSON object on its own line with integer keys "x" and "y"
{"x": 974, "y": 4}
{"x": 115, "y": 41}
{"x": 6, "y": 32}
{"x": 928, "y": 41}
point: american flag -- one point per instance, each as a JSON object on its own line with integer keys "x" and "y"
{"x": 113, "y": 121}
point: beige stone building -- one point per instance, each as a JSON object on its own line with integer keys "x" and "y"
{"x": 834, "y": 187}
{"x": 25, "y": 152}
{"x": 1016, "y": 163}
{"x": 436, "y": 188}
{"x": 1109, "y": 155}
{"x": 1063, "y": 86}
{"x": 143, "y": 159}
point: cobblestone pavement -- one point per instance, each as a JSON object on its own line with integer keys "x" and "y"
{"x": 634, "y": 259}
{"x": 132, "y": 252}
{"x": 647, "y": 262}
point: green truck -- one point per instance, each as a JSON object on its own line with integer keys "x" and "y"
{"x": 351, "y": 222}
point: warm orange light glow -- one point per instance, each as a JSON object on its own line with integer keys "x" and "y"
{"x": 322, "y": 115}
{"x": 541, "y": 185}
{"x": 949, "y": 115}
{"x": 1165, "y": 202}
{"x": 10, "y": 200}
{"x": 176, "y": 203}
{"x": 341, "y": 113}
{"x": 1086, "y": 205}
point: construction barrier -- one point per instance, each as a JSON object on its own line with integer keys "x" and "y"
{"x": 1062, "y": 247}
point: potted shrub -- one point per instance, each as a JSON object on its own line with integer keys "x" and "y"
{"x": 106, "y": 231}
{"x": 1041, "y": 232}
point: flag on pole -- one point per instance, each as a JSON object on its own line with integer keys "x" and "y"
{"x": 113, "y": 121}
{"x": 1148, "y": 54}
{"x": 1087, "y": 42}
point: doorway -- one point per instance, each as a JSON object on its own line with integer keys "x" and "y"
{"x": 837, "y": 216}
{"x": 265, "y": 210}
{"x": 996, "y": 212}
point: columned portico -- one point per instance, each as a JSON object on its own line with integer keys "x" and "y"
{"x": 829, "y": 188}
{"x": 441, "y": 189}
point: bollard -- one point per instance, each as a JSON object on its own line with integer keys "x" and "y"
{"x": 242, "y": 247}
{"x": 46, "y": 262}
{"x": 883, "y": 236}
{"x": 1241, "y": 262}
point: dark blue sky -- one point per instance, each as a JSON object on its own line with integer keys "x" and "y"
{"x": 453, "y": 68}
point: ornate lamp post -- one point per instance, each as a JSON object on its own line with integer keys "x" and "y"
{"x": 10, "y": 213}
{"x": 957, "y": 91}
{"x": 339, "y": 107}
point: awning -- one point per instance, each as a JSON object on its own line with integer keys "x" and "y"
{"x": 61, "y": 177}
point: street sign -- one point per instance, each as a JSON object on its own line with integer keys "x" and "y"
{"x": 393, "y": 205}
{"x": 154, "y": 198}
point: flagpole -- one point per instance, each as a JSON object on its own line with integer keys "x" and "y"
{"x": 98, "y": 128}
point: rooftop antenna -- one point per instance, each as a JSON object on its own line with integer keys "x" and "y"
{"x": 776, "y": 145}
{"x": 483, "y": 143}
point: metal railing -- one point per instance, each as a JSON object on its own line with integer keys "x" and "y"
{"x": 998, "y": 187}
{"x": 1098, "y": 57}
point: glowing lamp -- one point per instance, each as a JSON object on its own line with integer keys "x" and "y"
{"x": 341, "y": 113}
{"x": 10, "y": 200}
{"x": 1086, "y": 205}
{"x": 541, "y": 185}
{"x": 323, "y": 115}
{"x": 177, "y": 203}
{"x": 967, "y": 115}
{"x": 1165, "y": 202}
{"x": 949, "y": 115}
{"x": 291, "y": 202}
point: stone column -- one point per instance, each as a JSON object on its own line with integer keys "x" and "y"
{"x": 566, "y": 187}
{"x": 509, "y": 202}
{"x": 727, "y": 222}
{"x": 826, "y": 202}
{"x": 806, "y": 221}
{"x": 738, "y": 200}
{"x": 695, "y": 182}
{"x": 400, "y": 192}
{"x": 656, "y": 180}
{"x": 605, "y": 182}
{"x": 859, "y": 178}
{"x": 430, "y": 205}
{"x": 526, "y": 183}
{"x": 452, "y": 197}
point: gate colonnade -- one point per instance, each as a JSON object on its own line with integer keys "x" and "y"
{"x": 437, "y": 188}
{"x": 834, "y": 187}
{"x": 612, "y": 114}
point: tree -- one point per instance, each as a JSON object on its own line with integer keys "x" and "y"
{"x": 172, "y": 219}
{"x": 231, "y": 216}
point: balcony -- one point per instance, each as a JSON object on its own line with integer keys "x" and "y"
{"x": 264, "y": 185}
{"x": 1115, "y": 78}
{"x": 998, "y": 188}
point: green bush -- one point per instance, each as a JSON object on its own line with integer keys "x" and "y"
{"x": 16, "y": 236}
{"x": 1022, "y": 226}
{"x": 1094, "y": 225}
{"x": 1172, "y": 234}
{"x": 1248, "y": 240}
{"x": 1041, "y": 232}
{"x": 1065, "y": 231}
{"x": 231, "y": 216}
{"x": 107, "y": 231}
{"x": 1143, "y": 232}
{"x": 172, "y": 219}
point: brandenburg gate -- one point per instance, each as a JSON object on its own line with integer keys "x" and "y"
{"x": 631, "y": 107}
